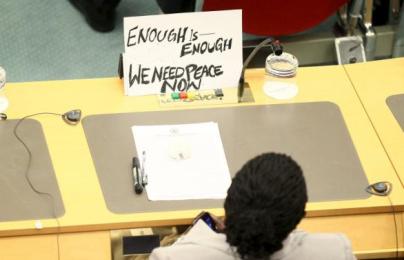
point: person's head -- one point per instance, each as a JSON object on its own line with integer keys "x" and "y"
{"x": 264, "y": 203}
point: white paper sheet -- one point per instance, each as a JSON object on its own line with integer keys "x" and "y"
{"x": 183, "y": 161}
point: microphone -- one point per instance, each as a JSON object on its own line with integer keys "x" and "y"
{"x": 72, "y": 117}
{"x": 382, "y": 188}
{"x": 276, "y": 48}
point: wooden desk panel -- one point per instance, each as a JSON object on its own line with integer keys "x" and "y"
{"x": 29, "y": 247}
{"x": 375, "y": 82}
{"x": 85, "y": 246}
{"x": 372, "y": 235}
{"x": 74, "y": 246}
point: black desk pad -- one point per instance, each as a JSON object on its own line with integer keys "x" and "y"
{"x": 396, "y": 105}
{"x": 17, "y": 200}
{"x": 314, "y": 134}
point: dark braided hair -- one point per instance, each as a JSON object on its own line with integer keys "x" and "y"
{"x": 264, "y": 203}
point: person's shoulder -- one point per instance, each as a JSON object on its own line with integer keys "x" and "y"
{"x": 187, "y": 251}
{"x": 324, "y": 238}
{"x": 304, "y": 245}
{"x": 199, "y": 243}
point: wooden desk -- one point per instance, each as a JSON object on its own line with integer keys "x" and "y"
{"x": 82, "y": 196}
{"x": 375, "y": 82}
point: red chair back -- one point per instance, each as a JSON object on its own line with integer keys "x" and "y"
{"x": 275, "y": 18}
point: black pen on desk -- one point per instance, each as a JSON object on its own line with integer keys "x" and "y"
{"x": 136, "y": 177}
{"x": 144, "y": 174}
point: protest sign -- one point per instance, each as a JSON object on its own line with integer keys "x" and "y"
{"x": 182, "y": 52}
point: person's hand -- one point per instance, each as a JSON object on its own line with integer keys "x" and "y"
{"x": 218, "y": 222}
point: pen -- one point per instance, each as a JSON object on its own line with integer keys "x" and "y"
{"x": 144, "y": 174}
{"x": 136, "y": 178}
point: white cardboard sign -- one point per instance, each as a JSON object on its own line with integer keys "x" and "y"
{"x": 182, "y": 52}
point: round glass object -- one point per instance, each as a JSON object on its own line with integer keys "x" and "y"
{"x": 280, "y": 81}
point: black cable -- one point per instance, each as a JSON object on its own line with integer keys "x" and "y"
{"x": 26, "y": 173}
{"x": 274, "y": 49}
{"x": 254, "y": 52}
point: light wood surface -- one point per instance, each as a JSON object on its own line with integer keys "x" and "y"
{"x": 29, "y": 247}
{"x": 74, "y": 246}
{"x": 81, "y": 193}
{"x": 374, "y": 83}
{"x": 84, "y": 246}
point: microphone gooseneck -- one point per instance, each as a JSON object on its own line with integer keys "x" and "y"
{"x": 276, "y": 48}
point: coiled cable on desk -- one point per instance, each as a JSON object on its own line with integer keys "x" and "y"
{"x": 65, "y": 117}
{"x": 26, "y": 173}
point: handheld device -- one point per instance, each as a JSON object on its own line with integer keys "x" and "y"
{"x": 207, "y": 218}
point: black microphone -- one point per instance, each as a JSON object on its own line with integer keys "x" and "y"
{"x": 276, "y": 48}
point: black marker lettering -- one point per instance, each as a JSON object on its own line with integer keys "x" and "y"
{"x": 145, "y": 75}
{"x": 185, "y": 49}
{"x": 182, "y": 85}
{"x": 171, "y": 35}
{"x": 161, "y": 38}
{"x": 135, "y": 77}
{"x": 130, "y": 36}
{"x": 218, "y": 70}
{"x": 190, "y": 69}
{"x": 227, "y": 44}
{"x": 191, "y": 35}
{"x": 142, "y": 36}
{"x": 137, "y": 36}
{"x": 153, "y": 35}
{"x": 166, "y": 84}
{"x": 194, "y": 86}
{"x": 195, "y": 36}
{"x": 220, "y": 45}
{"x": 157, "y": 74}
{"x": 181, "y": 34}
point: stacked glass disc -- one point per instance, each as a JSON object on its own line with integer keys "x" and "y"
{"x": 283, "y": 66}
